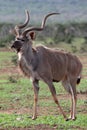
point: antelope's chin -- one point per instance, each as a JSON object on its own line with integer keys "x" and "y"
{"x": 18, "y": 50}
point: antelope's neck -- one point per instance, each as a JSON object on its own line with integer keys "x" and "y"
{"x": 24, "y": 60}
{"x": 26, "y": 53}
{"x": 24, "y": 66}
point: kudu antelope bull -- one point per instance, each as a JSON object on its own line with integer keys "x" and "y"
{"x": 46, "y": 64}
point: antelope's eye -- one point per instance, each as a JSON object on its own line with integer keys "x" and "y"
{"x": 22, "y": 40}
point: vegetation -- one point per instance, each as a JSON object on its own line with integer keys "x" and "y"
{"x": 5, "y": 36}
{"x": 73, "y": 35}
{"x": 54, "y": 122}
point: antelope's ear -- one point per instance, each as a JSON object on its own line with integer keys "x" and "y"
{"x": 32, "y": 35}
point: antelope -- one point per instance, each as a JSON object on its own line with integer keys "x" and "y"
{"x": 46, "y": 64}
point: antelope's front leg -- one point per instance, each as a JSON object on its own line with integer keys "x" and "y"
{"x": 36, "y": 90}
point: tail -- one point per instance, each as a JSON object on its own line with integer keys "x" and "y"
{"x": 78, "y": 79}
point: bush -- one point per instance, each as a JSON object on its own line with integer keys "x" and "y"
{"x": 74, "y": 49}
{"x": 5, "y": 36}
{"x": 59, "y": 34}
{"x": 5, "y": 41}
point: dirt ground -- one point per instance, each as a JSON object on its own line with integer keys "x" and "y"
{"x": 44, "y": 127}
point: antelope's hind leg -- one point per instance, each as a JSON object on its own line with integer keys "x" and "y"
{"x": 53, "y": 92}
{"x": 71, "y": 88}
{"x": 74, "y": 101}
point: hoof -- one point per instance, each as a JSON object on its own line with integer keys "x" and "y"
{"x": 34, "y": 118}
{"x": 74, "y": 118}
{"x": 67, "y": 119}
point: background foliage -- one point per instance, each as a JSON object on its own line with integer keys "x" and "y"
{"x": 72, "y": 37}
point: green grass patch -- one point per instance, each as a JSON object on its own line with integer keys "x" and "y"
{"x": 82, "y": 86}
{"x": 5, "y": 59}
{"x": 23, "y": 121}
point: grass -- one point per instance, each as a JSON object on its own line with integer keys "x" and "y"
{"x": 18, "y": 96}
{"x": 16, "y": 102}
{"x": 20, "y": 90}
{"x": 17, "y": 121}
{"x": 5, "y": 59}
